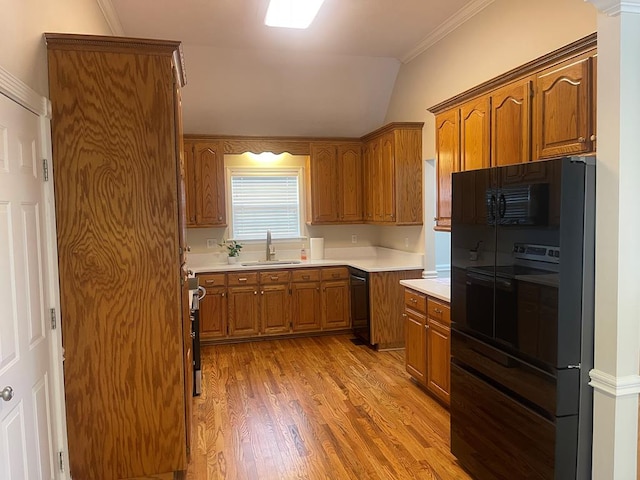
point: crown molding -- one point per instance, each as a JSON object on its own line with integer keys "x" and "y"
{"x": 615, "y": 386}
{"x": 616, "y": 7}
{"x": 449, "y": 25}
{"x": 23, "y": 94}
{"x": 111, "y": 16}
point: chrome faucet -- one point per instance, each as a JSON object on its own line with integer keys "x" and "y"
{"x": 271, "y": 249}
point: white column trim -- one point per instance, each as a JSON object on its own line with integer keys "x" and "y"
{"x": 23, "y": 94}
{"x": 615, "y": 386}
{"x": 616, "y": 7}
{"x": 111, "y": 16}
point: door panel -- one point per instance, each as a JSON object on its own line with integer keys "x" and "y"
{"x": 26, "y": 445}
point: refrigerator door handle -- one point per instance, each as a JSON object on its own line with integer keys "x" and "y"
{"x": 492, "y": 207}
{"x": 502, "y": 208}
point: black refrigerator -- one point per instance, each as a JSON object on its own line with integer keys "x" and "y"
{"x": 522, "y": 288}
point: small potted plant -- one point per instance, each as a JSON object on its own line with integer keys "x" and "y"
{"x": 233, "y": 250}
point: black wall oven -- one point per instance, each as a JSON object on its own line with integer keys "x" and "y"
{"x": 522, "y": 319}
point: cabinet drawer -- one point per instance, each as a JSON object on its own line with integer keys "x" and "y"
{"x": 208, "y": 280}
{"x": 439, "y": 311}
{"x": 244, "y": 278}
{"x": 338, "y": 273}
{"x": 415, "y": 301}
{"x": 275, "y": 276}
{"x": 306, "y": 275}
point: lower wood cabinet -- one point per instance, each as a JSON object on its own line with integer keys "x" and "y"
{"x": 335, "y": 298}
{"x": 259, "y": 303}
{"x": 428, "y": 342}
{"x": 305, "y": 300}
{"x": 386, "y": 307}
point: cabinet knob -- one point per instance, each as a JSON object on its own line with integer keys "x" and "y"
{"x": 593, "y": 138}
{"x": 261, "y": 292}
{"x": 188, "y": 248}
{"x": 220, "y": 218}
{"x": 426, "y": 326}
{"x": 582, "y": 139}
{"x": 404, "y": 314}
{"x": 255, "y": 292}
{"x": 224, "y": 294}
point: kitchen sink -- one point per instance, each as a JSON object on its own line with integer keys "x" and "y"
{"x": 270, "y": 262}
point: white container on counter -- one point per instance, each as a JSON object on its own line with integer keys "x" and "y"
{"x": 316, "y": 247}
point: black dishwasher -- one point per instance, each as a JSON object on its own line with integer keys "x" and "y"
{"x": 359, "y": 281}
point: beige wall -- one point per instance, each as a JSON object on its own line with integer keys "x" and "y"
{"x": 506, "y": 34}
{"x": 503, "y": 36}
{"x": 22, "y": 24}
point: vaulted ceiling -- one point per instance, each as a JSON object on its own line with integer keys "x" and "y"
{"x": 333, "y": 79}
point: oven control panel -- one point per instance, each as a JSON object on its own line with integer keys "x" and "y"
{"x": 540, "y": 253}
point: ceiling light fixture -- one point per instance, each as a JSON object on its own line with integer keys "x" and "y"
{"x": 292, "y": 13}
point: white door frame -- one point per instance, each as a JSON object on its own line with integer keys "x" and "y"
{"x": 25, "y": 96}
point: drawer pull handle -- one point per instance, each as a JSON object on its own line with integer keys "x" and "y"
{"x": 306, "y": 277}
{"x": 210, "y": 282}
{"x": 404, "y": 314}
{"x": 437, "y": 310}
{"x": 414, "y": 300}
{"x": 335, "y": 275}
{"x": 242, "y": 279}
{"x": 274, "y": 277}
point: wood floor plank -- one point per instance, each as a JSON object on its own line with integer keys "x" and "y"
{"x": 315, "y": 408}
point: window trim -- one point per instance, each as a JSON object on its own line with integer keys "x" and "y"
{"x": 267, "y": 171}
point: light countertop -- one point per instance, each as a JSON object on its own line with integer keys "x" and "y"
{"x": 434, "y": 287}
{"x": 369, "y": 259}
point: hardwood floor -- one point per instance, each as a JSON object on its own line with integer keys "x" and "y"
{"x": 315, "y": 408}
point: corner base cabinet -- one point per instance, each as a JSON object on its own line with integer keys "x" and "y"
{"x": 117, "y": 151}
{"x": 428, "y": 342}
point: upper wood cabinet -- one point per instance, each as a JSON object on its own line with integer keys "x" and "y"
{"x": 204, "y": 166}
{"x": 350, "y": 183}
{"x": 511, "y": 124}
{"x": 474, "y": 134}
{"x": 336, "y": 183}
{"x": 394, "y": 175}
{"x": 447, "y": 162}
{"x": 563, "y": 122}
{"x": 543, "y": 109}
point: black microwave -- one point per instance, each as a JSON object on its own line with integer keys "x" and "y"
{"x": 521, "y": 205}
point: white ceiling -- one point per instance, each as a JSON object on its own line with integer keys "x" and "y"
{"x": 334, "y": 79}
{"x": 376, "y": 28}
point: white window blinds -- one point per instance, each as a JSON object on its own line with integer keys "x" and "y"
{"x": 265, "y": 200}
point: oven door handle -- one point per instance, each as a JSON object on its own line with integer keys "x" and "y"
{"x": 360, "y": 279}
{"x": 489, "y": 281}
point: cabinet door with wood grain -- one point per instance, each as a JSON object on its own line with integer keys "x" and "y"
{"x": 336, "y": 313}
{"x": 438, "y": 349}
{"x": 563, "y": 110}
{"x": 213, "y": 314}
{"x": 209, "y": 183}
{"x": 387, "y": 179}
{"x": 190, "y": 185}
{"x": 475, "y": 134}
{"x": 350, "y": 182}
{"x": 244, "y": 311}
{"x": 448, "y": 161}
{"x": 511, "y": 124}
{"x": 275, "y": 308}
{"x": 306, "y": 311}
{"x": 324, "y": 183}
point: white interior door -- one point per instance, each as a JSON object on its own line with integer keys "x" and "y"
{"x": 26, "y": 432}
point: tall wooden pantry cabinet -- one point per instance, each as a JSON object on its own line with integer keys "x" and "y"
{"x": 117, "y": 167}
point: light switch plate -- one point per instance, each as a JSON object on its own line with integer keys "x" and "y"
{"x": 212, "y": 243}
